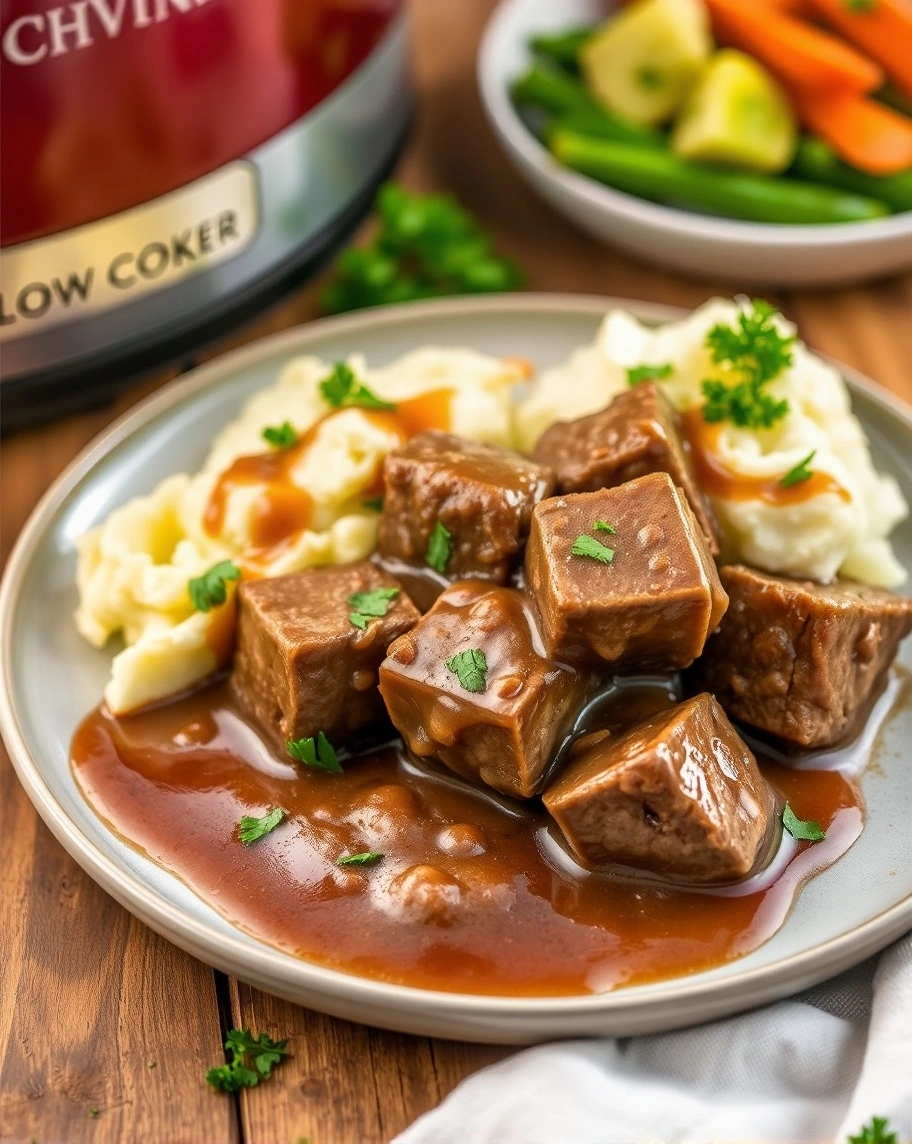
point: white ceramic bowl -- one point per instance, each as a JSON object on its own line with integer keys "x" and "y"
{"x": 695, "y": 244}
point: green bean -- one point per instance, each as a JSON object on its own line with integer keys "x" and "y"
{"x": 658, "y": 175}
{"x": 558, "y": 93}
{"x": 562, "y": 47}
{"x": 818, "y": 162}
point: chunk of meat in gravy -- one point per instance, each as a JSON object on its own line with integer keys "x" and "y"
{"x": 648, "y": 606}
{"x": 799, "y": 659}
{"x": 679, "y": 795}
{"x": 301, "y": 665}
{"x": 482, "y": 495}
{"x": 505, "y": 735}
{"x": 638, "y": 433}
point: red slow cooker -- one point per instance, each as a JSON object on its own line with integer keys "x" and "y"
{"x": 167, "y": 166}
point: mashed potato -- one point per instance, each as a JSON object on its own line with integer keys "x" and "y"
{"x": 133, "y": 570}
{"x": 817, "y": 537}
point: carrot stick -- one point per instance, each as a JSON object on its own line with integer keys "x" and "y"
{"x": 800, "y": 54}
{"x": 883, "y": 31}
{"x": 866, "y": 134}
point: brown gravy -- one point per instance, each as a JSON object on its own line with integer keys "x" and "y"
{"x": 474, "y": 894}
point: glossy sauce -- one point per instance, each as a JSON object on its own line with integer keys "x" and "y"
{"x": 283, "y": 509}
{"x": 718, "y": 480}
{"x": 475, "y": 893}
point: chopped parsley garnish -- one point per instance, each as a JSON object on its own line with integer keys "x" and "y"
{"x": 93, "y": 1113}
{"x": 317, "y": 753}
{"x": 440, "y": 547}
{"x": 210, "y": 590}
{"x": 470, "y": 667}
{"x": 365, "y": 858}
{"x": 809, "y": 831}
{"x": 374, "y": 503}
{"x": 800, "y": 472}
{"x": 281, "y": 436}
{"x": 237, "y": 1074}
{"x": 588, "y": 546}
{"x": 757, "y": 351}
{"x": 252, "y": 829}
{"x": 639, "y": 373}
{"x": 370, "y": 605}
{"x": 604, "y": 526}
{"x": 859, "y": 5}
{"x": 877, "y": 1131}
{"x": 341, "y": 388}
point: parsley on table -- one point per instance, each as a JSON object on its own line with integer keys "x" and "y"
{"x": 804, "y": 831}
{"x": 210, "y": 590}
{"x": 440, "y": 547}
{"x": 877, "y": 1131}
{"x": 318, "y": 753}
{"x": 758, "y": 352}
{"x": 237, "y": 1074}
{"x": 604, "y": 526}
{"x": 365, "y": 858}
{"x": 800, "y": 472}
{"x": 370, "y": 605}
{"x": 640, "y": 373}
{"x": 426, "y": 246}
{"x": 470, "y": 667}
{"x": 252, "y": 829}
{"x": 281, "y": 436}
{"x": 342, "y": 389}
{"x": 588, "y": 546}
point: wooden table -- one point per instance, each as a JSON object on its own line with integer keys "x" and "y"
{"x": 106, "y": 1030}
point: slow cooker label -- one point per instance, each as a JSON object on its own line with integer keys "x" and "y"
{"x": 111, "y": 262}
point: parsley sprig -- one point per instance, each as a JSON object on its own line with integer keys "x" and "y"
{"x": 803, "y": 830}
{"x": 470, "y": 667}
{"x": 211, "y": 589}
{"x": 639, "y": 373}
{"x": 440, "y": 547}
{"x": 756, "y": 350}
{"x": 281, "y": 436}
{"x": 586, "y": 545}
{"x": 317, "y": 753}
{"x": 876, "y": 1131}
{"x": 252, "y": 829}
{"x": 426, "y": 246}
{"x": 365, "y": 858}
{"x": 341, "y": 389}
{"x": 370, "y": 605}
{"x": 264, "y": 1052}
{"x": 800, "y": 472}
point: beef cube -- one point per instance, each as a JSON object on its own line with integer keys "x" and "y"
{"x": 483, "y": 496}
{"x": 643, "y": 596}
{"x": 501, "y": 725}
{"x": 798, "y": 659}
{"x": 302, "y": 665}
{"x": 638, "y": 433}
{"x": 678, "y": 794}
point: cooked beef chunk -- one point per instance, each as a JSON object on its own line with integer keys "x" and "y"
{"x": 506, "y": 729}
{"x": 679, "y": 794}
{"x": 649, "y": 602}
{"x": 638, "y": 433}
{"x": 483, "y": 496}
{"x": 301, "y": 665}
{"x": 799, "y": 659}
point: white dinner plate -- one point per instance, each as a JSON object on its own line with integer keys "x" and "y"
{"x": 51, "y": 678}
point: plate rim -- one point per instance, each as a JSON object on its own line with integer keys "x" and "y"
{"x": 276, "y": 970}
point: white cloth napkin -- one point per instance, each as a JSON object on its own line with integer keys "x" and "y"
{"x": 812, "y": 1070}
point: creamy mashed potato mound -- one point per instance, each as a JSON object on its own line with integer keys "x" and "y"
{"x": 133, "y": 570}
{"x": 818, "y": 537}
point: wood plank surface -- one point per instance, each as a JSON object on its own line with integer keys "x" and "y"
{"x": 89, "y": 996}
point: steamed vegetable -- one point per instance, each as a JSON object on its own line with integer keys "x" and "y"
{"x": 797, "y": 52}
{"x": 564, "y": 47}
{"x": 882, "y": 29}
{"x": 657, "y": 175}
{"x": 866, "y": 134}
{"x": 819, "y": 163}
{"x": 737, "y": 115}
{"x": 642, "y": 63}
